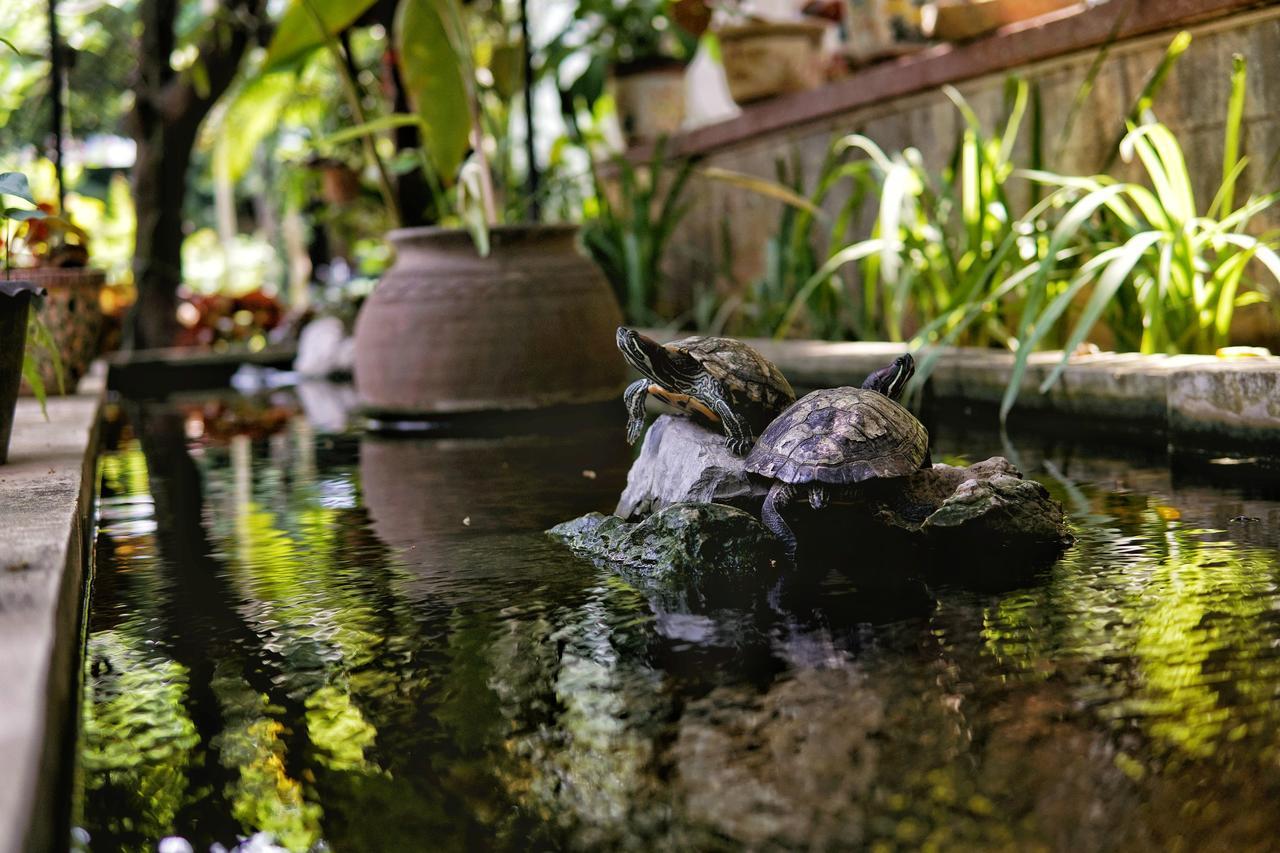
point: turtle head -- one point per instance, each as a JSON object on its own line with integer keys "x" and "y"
{"x": 655, "y": 361}
{"x": 890, "y": 380}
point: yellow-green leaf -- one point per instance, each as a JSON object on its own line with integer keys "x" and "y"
{"x": 432, "y": 73}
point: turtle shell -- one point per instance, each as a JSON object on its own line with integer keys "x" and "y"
{"x": 744, "y": 372}
{"x": 838, "y": 436}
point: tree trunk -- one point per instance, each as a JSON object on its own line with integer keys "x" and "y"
{"x": 168, "y": 110}
{"x": 159, "y": 189}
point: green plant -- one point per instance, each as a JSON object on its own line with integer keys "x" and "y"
{"x": 947, "y": 250}
{"x": 791, "y": 285}
{"x": 615, "y": 35}
{"x": 628, "y": 237}
{"x": 1165, "y": 277}
{"x": 459, "y": 114}
{"x": 39, "y": 339}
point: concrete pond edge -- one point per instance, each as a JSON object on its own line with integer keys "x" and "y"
{"x": 1191, "y": 402}
{"x": 46, "y": 539}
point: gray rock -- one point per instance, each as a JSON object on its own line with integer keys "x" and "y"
{"x": 1004, "y": 506}
{"x": 683, "y": 462}
{"x": 681, "y": 549}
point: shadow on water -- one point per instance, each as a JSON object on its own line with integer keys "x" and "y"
{"x": 368, "y": 644}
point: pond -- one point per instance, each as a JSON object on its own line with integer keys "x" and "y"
{"x": 354, "y": 642}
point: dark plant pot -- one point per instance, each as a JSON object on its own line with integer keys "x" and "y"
{"x": 15, "y": 308}
{"x": 449, "y": 332}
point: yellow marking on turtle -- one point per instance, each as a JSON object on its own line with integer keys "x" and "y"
{"x": 684, "y": 403}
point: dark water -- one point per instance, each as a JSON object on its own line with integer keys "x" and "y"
{"x": 355, "y": 643}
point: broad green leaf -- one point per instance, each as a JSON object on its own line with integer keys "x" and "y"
{"x": 15, "y": 184}
{"x": 20, "y": 215}
{"x": 298, "y": 34}
{"x": 250, "y": 117}
{"x": 433, "y": 75}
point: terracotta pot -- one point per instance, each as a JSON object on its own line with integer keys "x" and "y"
{"x": 957, "y": 21}
{"x": 73, "y": 312}
{"x": 15, "y": 307}
{"x": 650, "y": 100}
{"x": 449, "y": 332}
{"x": 766, "y": 59}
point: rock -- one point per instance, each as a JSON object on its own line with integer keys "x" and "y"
{"x": 683, "y": 462}
{"x": 688, "y": 548}
{"x": 1002, "y": 507}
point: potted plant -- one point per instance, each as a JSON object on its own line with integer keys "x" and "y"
{"x": 56, "y": 257}
{"x": 636, "y": 46}
{"x": 17, "y": 321}
{"x": 484, "y": 310}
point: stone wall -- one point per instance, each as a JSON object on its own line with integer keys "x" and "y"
{"x": 1193, "y": 103}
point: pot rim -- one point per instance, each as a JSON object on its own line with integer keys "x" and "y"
{"x": 502, "y": 233}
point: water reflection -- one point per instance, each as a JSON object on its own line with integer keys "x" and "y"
{"x": 366, "y": 644}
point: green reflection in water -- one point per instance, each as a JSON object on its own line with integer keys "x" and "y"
{"x": 137, "y": 737}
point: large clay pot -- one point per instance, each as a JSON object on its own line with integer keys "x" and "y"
{"x": 72, "y": 311}
{"x": 449, "y": 332}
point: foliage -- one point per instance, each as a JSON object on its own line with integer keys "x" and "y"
{"x": 1164, "y": 277}
{"x": 792, "y": 284}
{"x": 613, "y": 34}
{"x": 948, "y": 251}
{"x": 629, "y": 236}
{"x": 38, "y": 336}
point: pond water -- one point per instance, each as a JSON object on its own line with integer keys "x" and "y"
{"x": 351, "y": 643}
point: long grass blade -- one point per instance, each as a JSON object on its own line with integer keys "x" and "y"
{"x": 1231, "y": 144}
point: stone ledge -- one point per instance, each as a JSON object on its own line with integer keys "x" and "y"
{"x": 1195, "y": 401}
{"x": 46, "y": 492}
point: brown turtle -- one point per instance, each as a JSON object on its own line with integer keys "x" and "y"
{"x": 838, "y": 437}
{"x": 719, "y": 379}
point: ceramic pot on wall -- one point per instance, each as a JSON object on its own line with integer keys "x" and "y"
{"x": 764, "y": 59}
{"x": 449, "y": 332}
{"x": 72, "y": 311}
{"x": 650, "y": 99}
{"x": 15, "y": 308}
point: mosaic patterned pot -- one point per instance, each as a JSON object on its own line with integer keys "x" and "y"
{"x": 449, "y": 332}
{"x": 73, "y": 314}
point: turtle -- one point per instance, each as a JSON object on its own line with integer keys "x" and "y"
{"x": 837, "y": 437}
{"x": 721, "y": 380}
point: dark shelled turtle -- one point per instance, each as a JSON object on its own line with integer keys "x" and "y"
{"x": 719, "y": 379}
{"x": 836, "y": 438}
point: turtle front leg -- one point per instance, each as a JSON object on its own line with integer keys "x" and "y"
{"x": 780, "y": 494}
{"x": 634, "y": 398}
{"x": 736, "y": 429}
{"x": 818, "y": 496}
